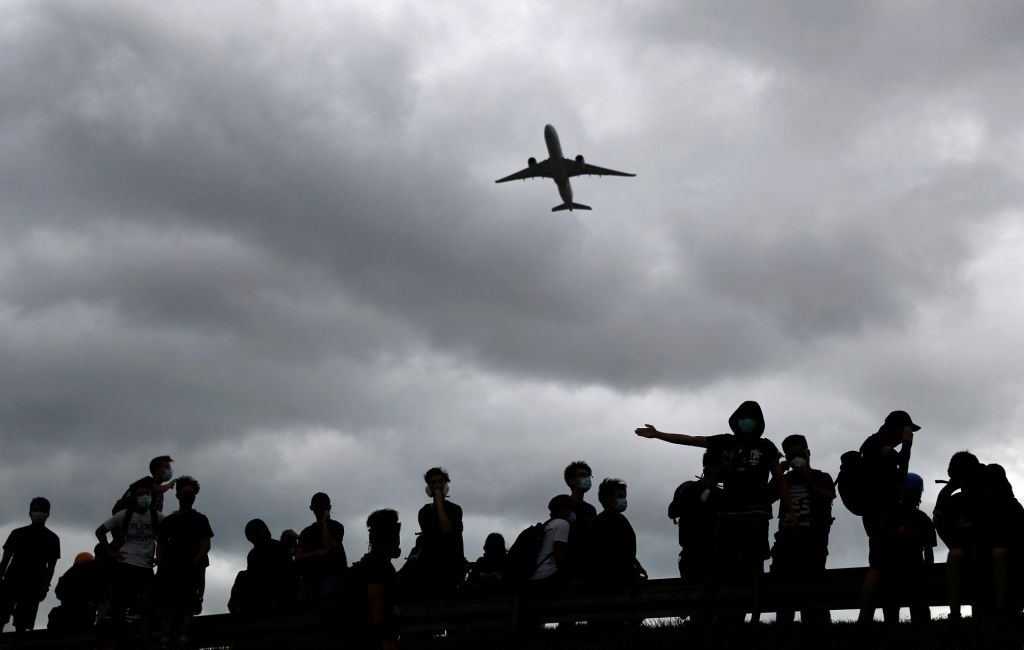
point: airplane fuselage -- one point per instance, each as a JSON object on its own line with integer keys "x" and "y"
{"x": 557, "y": 163}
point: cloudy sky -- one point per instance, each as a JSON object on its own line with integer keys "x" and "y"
{"x": 264, "y": 238}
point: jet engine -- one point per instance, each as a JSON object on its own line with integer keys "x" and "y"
{"x": 579, "y": 159}
{"x": 532, "y": 163}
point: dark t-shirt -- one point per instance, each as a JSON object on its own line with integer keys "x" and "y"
{"x": 611, "y": 550}
{"x": 812, "y": 510}
{"x": 887, "y": 475}
{"x": 585, "y": 514}
{"x": 34, "y": 549}
{"x": 916, "y": 534}
{"x": 312, "y": 539}
{"x": 180, "y": 536}
{"x": 745, "y": 471}
{"x": 372, "y": 569}
{"x": 440, "y": 551}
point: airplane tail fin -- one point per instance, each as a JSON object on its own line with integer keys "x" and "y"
{"x": 570, "y": 206}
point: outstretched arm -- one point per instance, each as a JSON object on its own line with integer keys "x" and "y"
{"x": 648, "y": 431}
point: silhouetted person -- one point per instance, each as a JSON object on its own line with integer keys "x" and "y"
{"x": 801, "y": 548}
{"x": 487, "y": 574}
{"x": 26, "y": 570}
{"x": 163, "y": 479}
{"x": 268, "y": 582}
{"x": 915, "y": 541}
{"x": 551, "y": 575}
{"x": 133, "y": 549}
{"x": 611, "y": 562}
{"x": 887, "y": 471}
{"x": 441, "y": 563}
{"x": 748, "y": 461}
{"x": 80, "y": 591}
{"x": 372, "y": 585}
{"x": 694, "y": 509}
{"x": 979, "y": 519}
{"x": 320, "y": 556}
{"x": 184, "y": 547}
{"x": 579, "y": 477}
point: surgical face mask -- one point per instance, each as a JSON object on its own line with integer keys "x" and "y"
{"x": 38, "y": 516}
{"x": 620, "y": 505}
{"x": 746, "y": 425}
{"x": 572, "y": 518}
{"x": 144, "y": 502}
{"x": 167, "y": 475}
{"x": 430, "y": 490}
{"x": 798, "y": 462}
{"x": 585, "y": 484}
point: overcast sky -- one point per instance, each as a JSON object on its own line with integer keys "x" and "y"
{"x": 264, "y": 238}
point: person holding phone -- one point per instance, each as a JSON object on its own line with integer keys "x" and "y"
{"x": 320, "y": 555}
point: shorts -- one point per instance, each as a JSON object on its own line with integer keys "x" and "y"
{"x": 132, "y": 582}
{"x": 744, "y": 536}
{"x": 177, "y": 589}
{"x": 799, "y": 553}
{"x": 20, "y": 600}
{"x": 883, "y": 540}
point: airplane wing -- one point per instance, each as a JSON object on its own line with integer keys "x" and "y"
{"x": 575, "y": 168}
{"x": 540, "y": 170}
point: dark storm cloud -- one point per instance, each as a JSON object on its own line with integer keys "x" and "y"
{"x": 266, "y": 240}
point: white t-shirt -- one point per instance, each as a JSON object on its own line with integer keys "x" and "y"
{"x": 140, "y": 541}
{"x": 556, "y": 530}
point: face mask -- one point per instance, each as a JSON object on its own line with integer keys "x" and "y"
{"x": 797, "y": 462}
{"x": 144, "y": 502}
{"x": 430, "y": 491}
{"x": 585, "y": 484}
{"x": 38, "y": 516}
{"x": 620, "y": 505}
{"x": 746, "y": 425}
{"x": 168, "y": 473}
{"x": 572, "y": 518}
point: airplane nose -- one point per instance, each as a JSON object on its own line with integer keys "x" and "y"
{"x": 549, "y": 131}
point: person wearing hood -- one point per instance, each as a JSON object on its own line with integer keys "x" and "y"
{"x": 747, "y": 463}
{"x": 29, "y": 558}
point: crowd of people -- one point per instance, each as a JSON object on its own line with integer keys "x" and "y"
{"x": 150, "y": 566}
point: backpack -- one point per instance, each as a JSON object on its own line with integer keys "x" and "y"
{"x": 853, "y": 483}
{"x": 522, "y": 555}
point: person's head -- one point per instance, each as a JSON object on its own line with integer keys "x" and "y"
{"x": 385, "y": 532}
{"x": 794, "y": 447}
{"x": 711, "y": 462}
{"x": 963, "y": 466}
{"x": 142, "y": 493}
{"x": 290, "y": 539}
{"x": 160, "y": 468}
{"x": 186, "y": 490}
{"x": 83, "y": 557}
{"x": 437, "y": 479}
{"x": 913, "y": 490}
{"x": 561, "y": 507}
{"x": 578, "y": 476}
{"x": 319, "y": 504}
{"x": 747, "y": 421}
{"x": 897, "y": 424}
{"x": 612, "y": 494}
{"x": 495, "y": 545}
{"x": 257, "y": 531}
{"x": 39, "y": 510}
{"x": 1000, "y": 483}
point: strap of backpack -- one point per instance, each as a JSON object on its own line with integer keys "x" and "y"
{"x": 123, "y": 530}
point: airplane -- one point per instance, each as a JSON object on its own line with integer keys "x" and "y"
{"x": 560, "y": 169}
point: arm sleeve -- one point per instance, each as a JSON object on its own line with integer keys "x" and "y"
{"x": 114, "y": 523}
{"x": 560, "y": 528}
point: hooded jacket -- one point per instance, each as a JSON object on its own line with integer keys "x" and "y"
{"x": 746, "y": 463}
